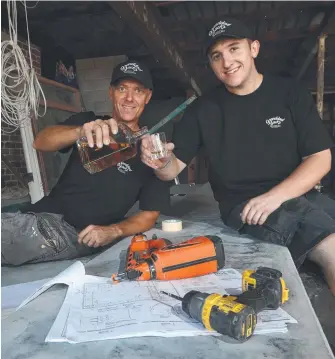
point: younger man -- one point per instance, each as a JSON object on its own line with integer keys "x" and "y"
{"x": 267, "y": 149}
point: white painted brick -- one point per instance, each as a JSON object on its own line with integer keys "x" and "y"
{"x": 97, "y": 74}
{"x": 89, "y": 106}
{"x": 92, "y": 96}
{"x": 85, "y": 98}
{"x": 80, "y": 78}
{"x": 103, "y": 107}
{"x": 84, "y": 64}
{"x": 108, "y": 62}
{"x": 93, "y": 85}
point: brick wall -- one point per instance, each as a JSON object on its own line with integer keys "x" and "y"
{"x": 11, "y": 144}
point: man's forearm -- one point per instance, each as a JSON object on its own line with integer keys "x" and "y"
{"x": 140, "y": 222}
{"x": 305, "y": 177}
{"x": 54, "y": 138}
{"x": 97, "y": 236}
{"x": 171, "y": 169}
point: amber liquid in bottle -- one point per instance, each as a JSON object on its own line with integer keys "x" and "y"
{"x": 96, "y": 159}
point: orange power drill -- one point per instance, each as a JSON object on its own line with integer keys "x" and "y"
{"x": 158, "y": 258}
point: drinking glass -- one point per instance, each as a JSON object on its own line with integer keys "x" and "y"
{"x": 158, "y": 143}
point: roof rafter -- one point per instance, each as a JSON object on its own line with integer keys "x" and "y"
{"x": 309, "y": 46}
{"x": 140, "y": 16}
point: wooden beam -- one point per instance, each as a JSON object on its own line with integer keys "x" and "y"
{"x": 141, "y": 17}
{"x": 257, "y": 12}
{"x": 325, "y": 26}
{"x": 330, "y": 90}
{"x": 53, "y": 83}
{"x": 321, "y": 73}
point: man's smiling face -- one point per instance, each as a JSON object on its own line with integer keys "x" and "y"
{"x": 129, "y": 98}
{"x": 232, "y": 60}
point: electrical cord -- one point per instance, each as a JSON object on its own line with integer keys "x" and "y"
{"x": 20, "y": 88}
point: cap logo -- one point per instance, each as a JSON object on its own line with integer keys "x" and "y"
{"x": 130, "y": 68}
{"x": 218, "y": 28}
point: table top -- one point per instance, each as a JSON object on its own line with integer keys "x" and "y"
{"x": 24, "y": 331}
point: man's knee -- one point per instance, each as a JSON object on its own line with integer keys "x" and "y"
{"x": 324, "y": 253}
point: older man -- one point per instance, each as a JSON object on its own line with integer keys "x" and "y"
{"x": 267, "y": 149}
{"x": 86, "y": 212}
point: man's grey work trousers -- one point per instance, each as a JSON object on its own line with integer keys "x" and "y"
{"x": 39, "y": 237}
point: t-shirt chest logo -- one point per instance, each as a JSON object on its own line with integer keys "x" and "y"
{"x": 124, "y": 167}
{"x": 275, "y": 122}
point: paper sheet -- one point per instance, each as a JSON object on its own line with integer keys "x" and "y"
{"x": 97, "y": 309}
{"x": 231, "y": 280}
{"x": 68, "y": 276}
{"x": 13, "y": 295}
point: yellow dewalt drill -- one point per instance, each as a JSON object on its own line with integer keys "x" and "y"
{"x": 236, "y": 316}
{"x": 222, "y": 314}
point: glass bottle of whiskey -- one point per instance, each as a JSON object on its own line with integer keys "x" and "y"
{"x": 121, "y": 147}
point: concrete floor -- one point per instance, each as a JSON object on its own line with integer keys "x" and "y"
{"x": 196, "y": 203}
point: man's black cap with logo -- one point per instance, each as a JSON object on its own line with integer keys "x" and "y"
{"x": 228, "y": 28}
{"x": 132, "y": 69}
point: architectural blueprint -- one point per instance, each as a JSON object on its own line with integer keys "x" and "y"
{"x": 97, "y": 309}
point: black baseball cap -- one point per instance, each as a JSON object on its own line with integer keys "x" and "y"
{"x": 132, "y": 69}
{"x": 227, "y": 28}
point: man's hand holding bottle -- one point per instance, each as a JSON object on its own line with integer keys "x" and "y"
{"x": 99, "y": 132}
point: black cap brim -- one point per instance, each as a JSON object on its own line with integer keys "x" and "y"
{"x": 214, "y": 41}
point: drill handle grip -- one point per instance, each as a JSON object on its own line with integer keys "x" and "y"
{"x": 255, "y": 299}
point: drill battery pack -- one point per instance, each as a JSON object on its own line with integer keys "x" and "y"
{"x": 263, "y": 288}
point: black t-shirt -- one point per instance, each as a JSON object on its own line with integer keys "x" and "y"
{"x": 105, "y": 197}
{"x": 253, "y": 142}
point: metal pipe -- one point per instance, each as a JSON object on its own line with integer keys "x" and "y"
{"x": 30, "y": 155}
{"x": 320, "y": 83}
{"x": 320, "y": 74}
